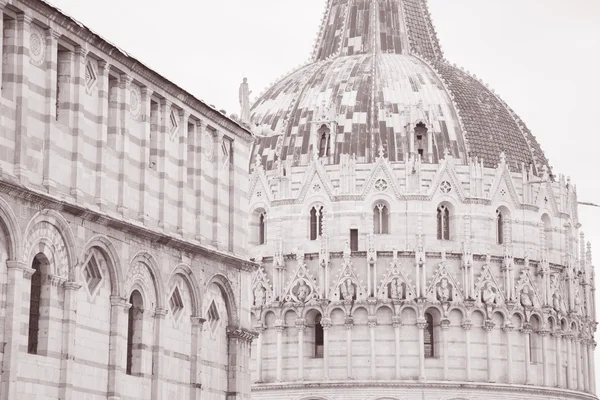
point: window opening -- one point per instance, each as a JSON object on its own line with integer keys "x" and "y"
{"x": 134, "y": 333}
{"x": 429, "y": 337}
{"x": 353, "y": 239}
{"x": 323, "y": 141}
{"x": 380, "y": 219}
{"x": 316, "y": 222}
{"x": 443, "y": 223}
{"x": 499, "y": 227}
{"x": 261, "y": 228}
{"x": 34, "y": 307}
{"x": 319, "y": 342}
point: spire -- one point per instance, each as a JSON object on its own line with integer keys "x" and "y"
{"x": 369, "y": 26}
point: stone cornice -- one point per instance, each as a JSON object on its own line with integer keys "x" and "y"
{"x": 488, "y": 387}
{"x": 46, "y": 201}
{"x": 84, "y": 34}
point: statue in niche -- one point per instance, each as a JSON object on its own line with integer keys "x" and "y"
{"x": 489, "y": 295}
{"x": 578, "y": 303}
{"x": 444, "y": 293}
{"x": 348, "y": 290}
{"x": 303, "y": 291}
{"x": 259, "y": 296}
{"x": 526, "y": 299}
{"x": 557, "y": 302}
{"x": 396, "y": 290}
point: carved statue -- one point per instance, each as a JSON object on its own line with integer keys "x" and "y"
{"x": 348, "y": 290}
{"x": 396, "y": 290}
{"x": 556, "y": 302}
{"x": 244, "y": 95}
{"x": 488, "y": 295}
{"x": 259, "y": 296}
{"x": 526, "y": 300}
{"x": 578, "y": 303}
{"x": 443, "y": 291}
{"x": 303, "y": 291}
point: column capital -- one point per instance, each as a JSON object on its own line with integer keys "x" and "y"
{"x": 125, "y": 80}
{"x": 557, "y": 334}
{"x": 300, "y": 324}
{"x": 445, "y": 324}
{"x": 166, "y": 103}
{"x": 70, "y": 285}
{"x": 467, "y": 325}
{"x": 52, "y": 34}
{"x": 349, "y": 322}
{"x": 526, "y": 331}
{"x": 235, "y": 332}
{"x": 543, "y": 332}
{"x": 16, "y": 265}
{"x": 197, "y": 321}
{"x": 160, "y": 313}
{"x": 326, "y": 323}
{"x": 118, "y": 301}
{"x": 372, "y": 321}
{"x": 82, "y": 52}
{"x": 24, "y": 18}
{"x": 421, "y": 324}
{"x": 56, "y": 280}
{"x": 279, "y": 325}
{"x": 397, "y": 321}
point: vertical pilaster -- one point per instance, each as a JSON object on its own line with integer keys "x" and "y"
{"x": 69, "y": 334}
{"x": 349, "y": 323}
{"x": 326, "y": 324}
{"x": 545, "y": 356}
{"x": 527, "y": 338}
{"x": 372, "y": 325}
{"x": 300, "y": 327}
{"x": 23, "y": 29}
{"x": 182, "y": 171}
{"x": 123, "y": 144}
{"x": 50, "y": 109}
{"x": 102, "y": 134}
{"x": 146, "y": 96}
{"x": 444, "y": 326}
{"x": 397, "y": 325}
{"x": 509, "y": 358}
{"x": 557, "y": 341}
{"x": 467, "y": 325}
{"x": 421, "y": 324}
{"x": 77, "y": 131}
{"x": 196, "y": 358}
{"x": 488, "y": 327}
{"x": 165, "y": 109}
{"x": 18, "y": 284}
{"x": 585, "y": 366}
{"x": 592, "y": 366}
{"x": 199, "y": 212}
{"x": 280, "y": 328}
{"x": 259, "y": 374}
{"x": 117, "y": 348}
{"x": 570, "y": 385}
{"x": 158, "y": 355}
{"x": 578, "y": 366}
{"x": 239, "y": 354}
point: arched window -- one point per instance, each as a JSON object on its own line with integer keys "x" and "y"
{"x": 323, "y": 141}
{"x": 380, "y": 219}
{"x": 443, "y": 223}
{"x": 499, "y": 227}
{"x": 319, "y": 343}
{"x": 262, "y": 228}
{"x": 134, "y": 334}
{"x": 429, "y": 337}
{"x": 34, "y": 307}
{"x": 420, "y": 138}
{"x": 316, "y": 222}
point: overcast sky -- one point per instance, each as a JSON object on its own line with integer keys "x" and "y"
{"x": 541, "y": 56}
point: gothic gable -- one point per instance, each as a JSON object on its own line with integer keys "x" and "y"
{"x": 302, "y": 288}
{"x": 396, "y": 285}
{"x": 487, "y": 289}
{"x": 446, "y": 181}
{"x": 527, "y": 292}
{"x": 346, "y": 285}
{"x": 443, "y": 287}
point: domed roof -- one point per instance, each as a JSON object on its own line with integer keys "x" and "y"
{"x": 377, "y": 72}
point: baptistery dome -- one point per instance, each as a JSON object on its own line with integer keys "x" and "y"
{"x": 412, "y": 240}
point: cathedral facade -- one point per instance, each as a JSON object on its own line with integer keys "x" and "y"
{"x": 123, "y": 198}
{"x": 413, "y": 241}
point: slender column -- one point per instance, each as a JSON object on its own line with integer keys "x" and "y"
{"x": 578, "y": 366}
{"x": 557, "y": 340}
{"x": 49, "y": 171}
{"x": 467, "y": 325}
{"x": 421, "y": 324}
{"x": 17, "y": 288}
{"x": 444, "y": 326}
{"x": 145, "y": 149}
{"x": 261, "y": 330}
{"x": 326, "y": 324}
{"x": 372, "y": 325}
{"x": 124, "y": 99}
{"x": 397, "y": 325}
{"x": 545, "y": 356}
{"x": 158, "y": 355}
{"x": 196, "y": 358}
{"x": 585, "y": 367}
{"x": 117, "y": 348}
{"x": 22, "y": 97}
{"x": 280, "y": 327}
{"x": 102, "y": 138}
{"x": 182, "y": 171}
{"x": 488, "y": 327}
{"x": 300, "y": 327}
{"x": 165, "y": 110}
{"x": 591, "y": 366}
{"x": 77, "y": 131}
{"x": 569, "y": 362}
{"x": 526, "y": 331}
{"x": 68, "y": 345}
{"x": 349, "y": 322}
{"x": 509, "y": 359}
{"x": 198, "y": 186}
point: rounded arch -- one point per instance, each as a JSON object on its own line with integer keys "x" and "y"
{"x": 62, "y": 227}
{"x": 520, "y": 316}
{"x": 460, "y": 308}
{"x": 266, "y": 315}
{"x": 381, "y": 214}
{"x": 446, "y": 218}
{"x": 258, "y": 224}
{"x": 503, "y": 313}
{"x": 110, "y": 254}
{"x": 536, "y": 317}
{"x": 146, "y": 259}
{"x": 358, "y": 307}
{"x": 228, "y": 295}
{"x": 435, "y": 310}
{"x": 186, "y": 273}
{"x": 327, "y": 312}
{"x": 307, "y": 310}
{"x": 411, "y": 307}
{"x": 10, "y": 224}
{"x": 384, "y": 305}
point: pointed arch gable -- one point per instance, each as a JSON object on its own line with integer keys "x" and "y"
{"x": 186, "y": 273}
{"x": 503, "y": 176}
{"x": 108, "y": 250}
{"x": 145, "y": 258}
{"x": 446, "y": 172}
{"x": 10, "y": 223}
{"x": 228, "y": 296}
{"x": 381, "y": 168}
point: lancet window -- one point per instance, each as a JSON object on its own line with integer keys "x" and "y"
{"x": 443, "y": 223}
{"x": 34, "y": 307}
{"x": 380, "y": 219}
{"x": 323, "y": 141}
{"x": 499, "y": 227}
{"x": 319, "y": 342}
{"x": 262, "y": 222}
{"x": 428, "y": 334}
{"x": 316, "y": 222}
{"x": 134, "y": 334}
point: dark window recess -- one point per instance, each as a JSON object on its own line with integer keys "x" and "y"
{"x": 261, "y": 228}
{"x": 319, "y": 344}
{"x": 34, "y": 308}
{"x": 443, "y": 223}
{"x": 428, "y": 336}
{"x": 421, "y": 152}
{"x": 354, "y": 239}
{"x": 499, "y": 227}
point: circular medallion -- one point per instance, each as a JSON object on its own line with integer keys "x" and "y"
{"x": 446, "y": 187}
{"x": 381, "y": 185}
{"x": 37, "y": 46}
{"x": 135, "y": 106}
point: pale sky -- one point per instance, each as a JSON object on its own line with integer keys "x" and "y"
{"x": 541, "y": 56}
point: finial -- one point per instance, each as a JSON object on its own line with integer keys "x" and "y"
{"x": 502, "y": 158}
{"x": 446, "y": 153}
{"x": 244, "y": 98}
{"x": 380, "y": 150}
